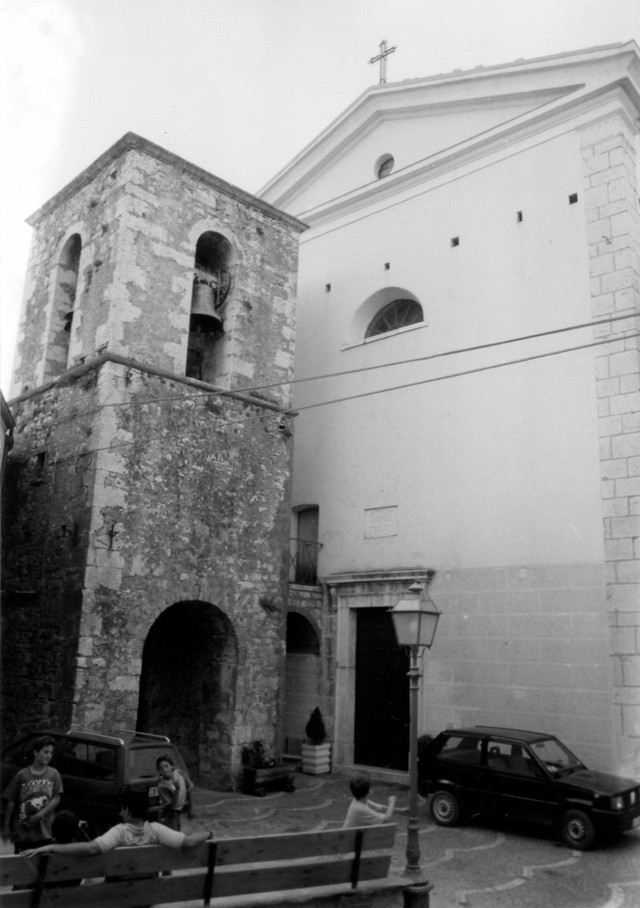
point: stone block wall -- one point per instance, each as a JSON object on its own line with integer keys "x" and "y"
{"x": 46, "y": 521}
{"x": 524, "y": 647}
{"x": 613, "y": 229}
{"x": 168, "y": 495}
{"x": 152, "y": 512}
{"x": 138, "y": 212}
{"x": 310, "y": 676}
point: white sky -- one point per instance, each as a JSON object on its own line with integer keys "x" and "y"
{"x": 235, "y": 86}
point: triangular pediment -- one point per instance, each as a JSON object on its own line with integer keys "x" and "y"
{"x": 416, "y": 120}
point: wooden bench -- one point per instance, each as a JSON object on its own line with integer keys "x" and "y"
{"x": 319, "y": 868}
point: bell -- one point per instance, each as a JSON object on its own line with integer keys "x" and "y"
{"x": 204, "y": 318}
{"x": 67, "y": 318}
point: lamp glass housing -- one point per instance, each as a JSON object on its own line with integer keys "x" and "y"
{"x": 415, "y": 620}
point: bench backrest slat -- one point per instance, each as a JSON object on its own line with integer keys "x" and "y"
{"x": 303, "y": 844}
{"x": 14, "y": 869}
{"x": 20, "y": 899}
{"x": 249, "y": 866}
{"x": 152, "y": 858}
{"x": 227, "y": 883}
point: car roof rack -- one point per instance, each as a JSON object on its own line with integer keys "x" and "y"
{"x": 95, "y": 736}
{"x": 143, "y": 734}
{"x": 526, "y": 731}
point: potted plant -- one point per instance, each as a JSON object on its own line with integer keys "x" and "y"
{"x": 316, "y": 750}
{"x": 261, "y": 772}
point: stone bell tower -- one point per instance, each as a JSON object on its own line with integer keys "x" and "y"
{"x": 146, "y": 559}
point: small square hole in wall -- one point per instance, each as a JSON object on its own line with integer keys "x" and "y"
{"x": 387, "y": 265}
{"x": 455, "y": 240}
{"x": 573, "y": 198}
{"x": 327, "y": 288}
{"x": 519, "y": 217}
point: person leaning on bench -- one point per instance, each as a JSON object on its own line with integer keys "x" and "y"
{"x": 135, "y": 829}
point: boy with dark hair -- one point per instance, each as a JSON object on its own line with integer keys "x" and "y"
{"x": 32, "y": 796}
{"x": 362, "y": 812}
{"x": 135, "y": 829}
{"x": 174, "y": 791}
{"x": 67, "y": 827}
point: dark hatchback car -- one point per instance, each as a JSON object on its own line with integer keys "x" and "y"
{"x": 96, "y": 769}
{"x": 525, "y": 775}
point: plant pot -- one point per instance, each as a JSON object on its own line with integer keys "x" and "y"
{"x": 270, "y": 778}
{"x": 316, "y": 758}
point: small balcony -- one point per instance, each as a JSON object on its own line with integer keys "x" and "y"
{"x": 304, "y": 561}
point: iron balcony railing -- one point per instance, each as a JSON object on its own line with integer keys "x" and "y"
{"x": 304, "y": 561}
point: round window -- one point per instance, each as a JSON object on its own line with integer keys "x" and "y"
{"x": 384, "y": 166}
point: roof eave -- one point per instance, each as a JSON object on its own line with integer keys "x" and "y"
{"x": 131, "y": 141}
{"x": 554, "y": 62}
{"x": 624, "y": 93}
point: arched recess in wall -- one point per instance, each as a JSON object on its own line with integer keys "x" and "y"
{"x": 303, "y": 680}
{"x": 384, "y": 312}
{"x": 64, "y": 298}
{"x": 213, "y": 265}
{"x": 188, "y": 687}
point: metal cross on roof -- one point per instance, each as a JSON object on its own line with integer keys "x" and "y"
{"x": 382, "y": 57}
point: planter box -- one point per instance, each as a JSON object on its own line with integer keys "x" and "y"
{"x": 272, "y": 778}
{"x": 316, "y": 758}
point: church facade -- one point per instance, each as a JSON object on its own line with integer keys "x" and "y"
{"x": 468, "y": 391}
{"x": 145, "y": 568}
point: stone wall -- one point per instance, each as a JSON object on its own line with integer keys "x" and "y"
{"x": 613, "y": 226}
{"x": 154, "y": 493}
{"x": 310, "y": 671}
{"x": 46, "y": 518}
{"x": 139, "y": 211}
{"x": 147, "y": 572}
{"x": 524, "y": 647}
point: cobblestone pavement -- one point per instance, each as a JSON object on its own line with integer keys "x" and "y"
{"x": 475, "y": 866}
{"x": 472, "y": 866}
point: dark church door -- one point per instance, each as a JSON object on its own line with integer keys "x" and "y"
{"x": 382, "y": 693}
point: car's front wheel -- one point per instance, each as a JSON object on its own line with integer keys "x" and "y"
{"x": 446, "y": 809}
{"x": 577, "y": 830}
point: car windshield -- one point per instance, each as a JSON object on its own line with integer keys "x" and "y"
{"x": 556, "y": 757}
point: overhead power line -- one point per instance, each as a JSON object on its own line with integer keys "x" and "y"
{"x": 430, "y": 356}
{"x": 249, "y": 389}
{"x": 449, "y": 375}
{"x": 363, "y": 394}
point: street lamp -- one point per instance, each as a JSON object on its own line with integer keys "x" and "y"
{"x": 415, "y": 619}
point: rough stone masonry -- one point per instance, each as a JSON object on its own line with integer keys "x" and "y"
{"x": 145, "y": 561}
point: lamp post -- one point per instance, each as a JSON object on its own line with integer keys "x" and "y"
{"x": 415, "y": 619}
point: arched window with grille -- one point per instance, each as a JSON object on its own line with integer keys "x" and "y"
{"x": 399, "y": 313}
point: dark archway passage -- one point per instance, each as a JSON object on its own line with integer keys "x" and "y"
{"x": 303, "y": 682}
{"x": 188, "y": 685}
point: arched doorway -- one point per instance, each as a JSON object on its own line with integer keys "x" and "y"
{"x": 188, "y": 685}
{"x": 303, "y": 680}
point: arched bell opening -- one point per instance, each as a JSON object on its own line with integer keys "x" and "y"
{"x": 211, "y": 283}
{"x": 64, "y": 297}
{"x": 211, "y": 286}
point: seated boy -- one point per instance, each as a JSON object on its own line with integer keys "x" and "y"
{"x": 135, "y": 829}
{"x": 362, "y": 812}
